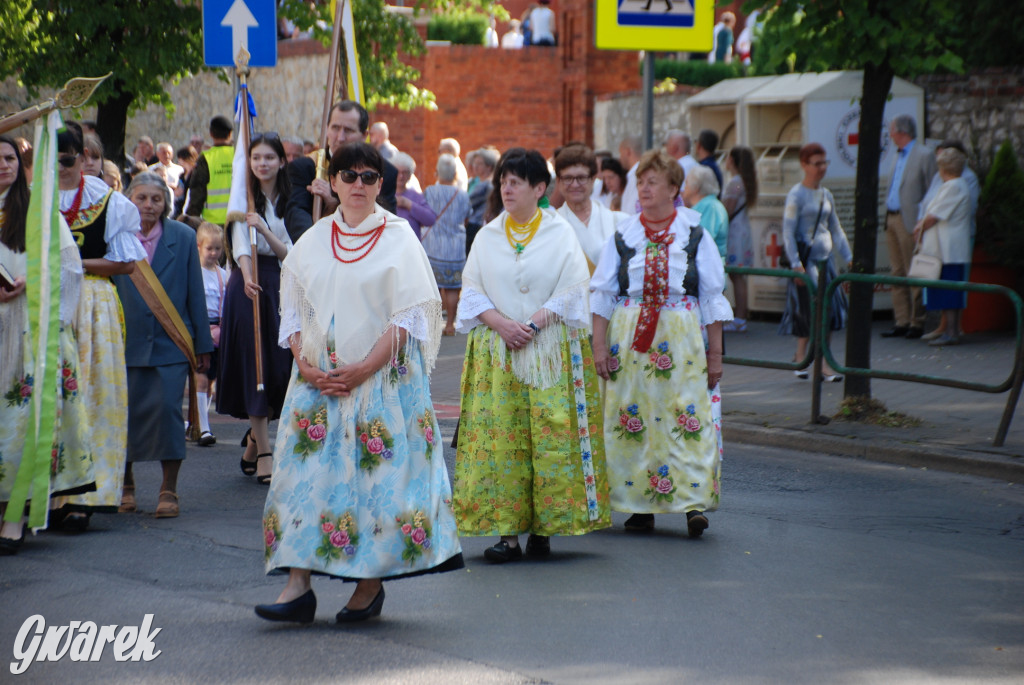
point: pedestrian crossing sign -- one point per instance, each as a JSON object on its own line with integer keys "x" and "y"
{"x": 659, "y": 25}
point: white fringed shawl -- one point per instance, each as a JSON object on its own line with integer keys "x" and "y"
{"x": 393, "y": 285}
{"x": 551, "y": 273}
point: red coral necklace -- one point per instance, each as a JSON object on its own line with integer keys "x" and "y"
{"x": 372, "y": 237}
{"x": 71, "y": 213}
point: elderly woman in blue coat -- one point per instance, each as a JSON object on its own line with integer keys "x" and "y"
{"x": 157, "y": 368}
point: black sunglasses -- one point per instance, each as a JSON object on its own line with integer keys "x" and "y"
{"x": 67, "y": 161}
{"x": 367, "y": 177}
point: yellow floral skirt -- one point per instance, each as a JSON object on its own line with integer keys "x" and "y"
{"x": 522, "y": 464}
{"x": 662, "y": 425}
{"x": 103, "y": 388}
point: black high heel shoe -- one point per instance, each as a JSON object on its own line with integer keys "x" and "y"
{"x": 264, "y": 479}
{"x": 248, "y": 467}
{"x": 11, "y": 546}
{"x": 347, "y": 615}
{"x": 302, "y": 609}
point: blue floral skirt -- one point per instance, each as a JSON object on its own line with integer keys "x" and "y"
{"x": 360, "y": 488}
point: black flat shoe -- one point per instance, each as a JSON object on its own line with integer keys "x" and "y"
{"x": 896, "y": 332}
{"x": 538, "y": 546}
{"x": 696, "y": 523}
{"x": 300, "y": 610}
{"x": 502, "y": 552}
{"x": 264, "y": 479}
{"x": 347, "y": 615}
{"x": 75, "y": 522}
{"x": 639, "y": 522}
{"x": 11, "y": 546}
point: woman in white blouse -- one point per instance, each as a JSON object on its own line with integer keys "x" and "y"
{"x": 237, "y": 393}
{"x": 593, "y": 223}
{"x": 658, "y": 309}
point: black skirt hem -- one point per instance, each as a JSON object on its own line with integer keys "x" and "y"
{"x": 451, "y": 564}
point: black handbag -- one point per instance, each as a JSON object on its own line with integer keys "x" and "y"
{"x": 803, "y": 249}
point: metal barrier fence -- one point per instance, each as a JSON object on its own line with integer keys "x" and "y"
{"x": 818, "y": 348}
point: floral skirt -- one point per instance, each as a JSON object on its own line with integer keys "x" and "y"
{"x": 360, "y": 488}
{"x": 662, "y": 425}
{"x": 522, "y": 464}
{"x": 71, "y": 465}
{"x": 103, "y": 388}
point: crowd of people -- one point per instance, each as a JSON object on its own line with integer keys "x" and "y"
{"x": 591, "y": 290}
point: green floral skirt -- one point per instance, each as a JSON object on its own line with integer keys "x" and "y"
{"x": 530, "y": 460}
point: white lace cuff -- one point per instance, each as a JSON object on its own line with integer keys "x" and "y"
{"x": 124, "y": 247}
{"x": 290, "y": 324}
{"x": 715, "y": 308}
{"x": 472, "y": 304}
{"x": 602, "y": 303}
{"x": 571, "y": 306}
{"x": 418, "y": 321}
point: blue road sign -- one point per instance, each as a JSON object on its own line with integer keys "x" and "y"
{"x": 231, "y": 24}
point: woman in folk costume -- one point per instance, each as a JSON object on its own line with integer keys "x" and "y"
{"x": 237, "y": 392}
{"x": 68, "y": 464}
{"x": 158, "y": 370}
{"x": 359, "y": 488}
{"x": 530, "y": 455}
{"x": 658, "y": 311}
{"x": 593, "y": 223}
{"x": 105, "y": 225}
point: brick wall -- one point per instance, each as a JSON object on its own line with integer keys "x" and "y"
{"x": 538, "y": 97}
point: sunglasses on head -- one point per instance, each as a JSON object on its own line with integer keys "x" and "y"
{"x": 367, "y": 177}
{"x": 67, "y": 161}
{"x": 266, "y": 135}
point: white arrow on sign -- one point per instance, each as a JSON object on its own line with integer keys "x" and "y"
{"x": 240, "y": 19}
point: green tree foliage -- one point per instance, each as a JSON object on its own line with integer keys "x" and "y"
{"x": 144, "y": 44}
{"x": 383, "y": 38}
{"x": 884, "y": 39}
{"x": 461, "y": 28}
{"x": 1001, "y": 210}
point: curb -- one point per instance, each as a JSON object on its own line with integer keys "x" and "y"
{"x": 910, "y": 454}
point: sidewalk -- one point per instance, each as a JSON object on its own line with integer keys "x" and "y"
{"x": 772, "y": 407}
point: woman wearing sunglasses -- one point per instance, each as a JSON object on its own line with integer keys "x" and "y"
{"x": 105, "y": 225}
{"x": 360, "y": 490}
{"x": 237, "y": 393}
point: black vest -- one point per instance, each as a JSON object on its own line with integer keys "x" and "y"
{"x": 89, "y": 229}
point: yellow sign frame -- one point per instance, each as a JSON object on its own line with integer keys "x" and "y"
{"x": 610, "y": 35}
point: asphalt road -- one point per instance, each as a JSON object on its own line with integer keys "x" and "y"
{"x": 816, "y": 570}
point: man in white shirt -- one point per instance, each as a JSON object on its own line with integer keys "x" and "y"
{"x": 678, "y": 144}
{"x": 630, "y": 150}
{"x": 173, "y": 172}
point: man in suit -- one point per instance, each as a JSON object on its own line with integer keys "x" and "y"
{"x": 911, "y": 175}
{"x": 347, "y": 123}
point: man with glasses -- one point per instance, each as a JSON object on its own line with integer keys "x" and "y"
{"x": 347, "y": 123}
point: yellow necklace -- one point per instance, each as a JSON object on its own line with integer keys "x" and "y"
{"x": 520, "y": 235}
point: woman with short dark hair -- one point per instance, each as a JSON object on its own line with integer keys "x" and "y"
{"x": 360, "y": 489}
{"x": 105, "y": 225}
{"x": 530, "y": 453}
{"x": 593, "y": 223}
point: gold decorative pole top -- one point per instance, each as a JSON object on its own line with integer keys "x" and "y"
{"x": 75, "y": 93}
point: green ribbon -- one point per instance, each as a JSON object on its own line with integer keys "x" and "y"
{"x": 42, "y": 248}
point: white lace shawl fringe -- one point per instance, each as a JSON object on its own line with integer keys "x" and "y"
{"x": 422, "y": 322}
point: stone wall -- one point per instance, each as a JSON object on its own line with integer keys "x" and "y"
{"x": 982, "y": 108}
{"x": 621, "y": 115}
